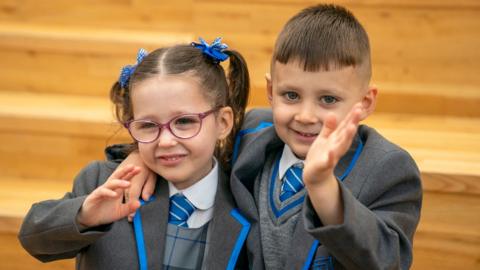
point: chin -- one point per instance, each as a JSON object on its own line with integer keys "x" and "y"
{"x": 300, "y": 150}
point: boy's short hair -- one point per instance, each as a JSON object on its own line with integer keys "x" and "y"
{"x": 324, "y": 37}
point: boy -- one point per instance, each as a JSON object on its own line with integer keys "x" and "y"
{"x": 361, "y": 195}
{"x": 358, "y": 204}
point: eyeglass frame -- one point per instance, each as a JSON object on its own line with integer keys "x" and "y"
{"x": 162, "y": 126}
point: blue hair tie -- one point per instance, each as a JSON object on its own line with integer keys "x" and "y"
{"x": 128, "y": 70}
{"x": 214, "y": 51}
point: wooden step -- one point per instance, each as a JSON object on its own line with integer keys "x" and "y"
{"x": 19, "y": 194}
{"x": 16, "y": 197}
{"x": 87, "y": 45}
{"x": 14, "y": 257}
{"x": 431, "y": 70}
{"x": 438, "y": 144}
{"x": 84, "y": 61}
{"x": 54, "y": 136}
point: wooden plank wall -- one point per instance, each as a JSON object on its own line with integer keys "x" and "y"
{"x": 60, "y": 57}
{"x": 413, "y": 44}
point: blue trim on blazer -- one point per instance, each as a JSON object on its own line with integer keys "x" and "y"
{"x": 137, "y": 226}
{"x": 315, "y": 244}
{"x": 311, "y": 253}
{"x": 241, "y": 238}
{"x": 354, "y": 160}
{"x": 243, "y": 132}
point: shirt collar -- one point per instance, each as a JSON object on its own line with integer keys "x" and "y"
{"x": 287, "y": 159}
{"x": 202, "y": 193}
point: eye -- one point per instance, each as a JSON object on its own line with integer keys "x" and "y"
{"x": 186, "y": 120}
{"x": 185, "y": 123}
{"x": 329, "y": 100}
{"x": 291, "y": 96}
{"x": 145, "y": 125}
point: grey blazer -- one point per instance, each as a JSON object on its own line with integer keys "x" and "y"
{"x": 381, "y": 191}
{"x": 49, "y": 231}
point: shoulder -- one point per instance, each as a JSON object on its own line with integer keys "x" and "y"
{"x": 255, "y": 117}
{"x": 377, "y": 147}
{"x": 385, "y": 165}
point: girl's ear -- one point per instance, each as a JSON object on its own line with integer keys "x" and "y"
{"x": 369, "y": 102}
{"x": 225, "y": 122}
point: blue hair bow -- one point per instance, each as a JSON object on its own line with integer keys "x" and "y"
{"x": 215, "y": 51}
{"x": 128, "y": 70}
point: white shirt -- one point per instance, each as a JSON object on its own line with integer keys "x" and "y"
{"x": 287, "y": 159}
{"x": 202, "y": 196}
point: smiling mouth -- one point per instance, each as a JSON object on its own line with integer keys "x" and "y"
{"x": 305, "y": 134}
{"x": 171, "y": 158}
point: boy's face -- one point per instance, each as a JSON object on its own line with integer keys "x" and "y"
{"x": 301, "y": 100}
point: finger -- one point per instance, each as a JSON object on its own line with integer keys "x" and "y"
{"x": 122, "y": 171}
{"x": 133, "y": 206}
{"x": 149, "y": 186}
{"x": 329, "y": 125}
{"x": 114, "y": 184}
{"x": 137, "y": 183}
{"x": 352, "y": 115}
{"x": 135, "y": 171}
{"x": 132, "y": 213}
{"x": 344, "y": 140}
{"x": 106, "y": 193}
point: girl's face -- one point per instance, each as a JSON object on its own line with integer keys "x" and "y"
{"x": 180, "y": 161}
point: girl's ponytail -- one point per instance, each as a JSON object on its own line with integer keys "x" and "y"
{"x": 121, "y": 100}
{"x": 237, "y": 98}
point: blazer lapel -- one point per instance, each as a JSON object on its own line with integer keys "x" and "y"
{"x": 347, "y": 163}
{"x": 224, "y": 229}
{"x": 154, "y": 215}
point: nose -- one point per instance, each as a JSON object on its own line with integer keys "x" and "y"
{"x": 306, "y": 114}
{"x": 166, "y": 138}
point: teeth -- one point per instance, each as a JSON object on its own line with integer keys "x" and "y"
{"x": 171, "y": 158}
{"x": 308, "y": 134}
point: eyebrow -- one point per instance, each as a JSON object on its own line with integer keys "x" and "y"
{"x": 322, "y": 91}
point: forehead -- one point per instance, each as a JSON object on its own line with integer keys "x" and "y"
{"x": 168, "y": 95}
{"x": 293, "y": 75}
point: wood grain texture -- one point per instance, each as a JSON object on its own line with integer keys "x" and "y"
{"x": 435, "y": 65}
{"x": 60, "y": 58}
{"x": 14, "y": 257}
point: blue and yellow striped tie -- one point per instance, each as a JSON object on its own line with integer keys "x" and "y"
{"x": 180, "y": 210}
{"x": 292, "y": 182}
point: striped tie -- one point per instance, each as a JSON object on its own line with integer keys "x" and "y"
{"x": 180, "y": 210}
{"x": 292, "y": 182}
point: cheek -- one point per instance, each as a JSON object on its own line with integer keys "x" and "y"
{"x": 205, "y": 141}
{"x": 282, "y": 114}
{"x": 146, "y": 150}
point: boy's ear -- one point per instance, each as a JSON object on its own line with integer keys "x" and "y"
{"x": 268, "y": 79}
{"x": 369, "y": 101}
{"x": 225, "y": 122}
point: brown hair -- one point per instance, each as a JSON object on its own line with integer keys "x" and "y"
{"x": 220, "y": 89}
{"x": 324, "y": 37}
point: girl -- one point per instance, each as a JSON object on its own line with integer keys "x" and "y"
{"x": 182, "y": 111}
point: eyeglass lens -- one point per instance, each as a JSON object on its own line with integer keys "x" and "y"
{"x": 183, "y": 126}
